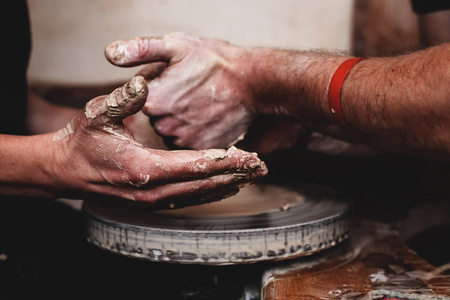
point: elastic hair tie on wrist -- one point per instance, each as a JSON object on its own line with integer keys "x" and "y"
{"x": 334, "y": 91}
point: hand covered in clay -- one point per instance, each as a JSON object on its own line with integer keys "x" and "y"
{"x": 198, "y": 95}
{"x": 101, "y": 158}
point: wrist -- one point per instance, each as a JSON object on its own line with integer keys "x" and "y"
{"x": 25, "y": 163}
{"x": 278, "y": 80}
{"x": 293, "y": 83}
{"x": 258, "y": 71}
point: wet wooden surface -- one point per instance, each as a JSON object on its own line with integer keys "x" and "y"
{"x": 374, "y": 259}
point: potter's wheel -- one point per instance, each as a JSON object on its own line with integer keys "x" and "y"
{"x": 262, "y": 222}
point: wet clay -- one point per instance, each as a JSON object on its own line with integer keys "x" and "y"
{"x": 251, "y": 200}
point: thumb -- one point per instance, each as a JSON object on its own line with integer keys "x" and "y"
{"x": 137, "y": 51}
{"x": 121, "y": 103}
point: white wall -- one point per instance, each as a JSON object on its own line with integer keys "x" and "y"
{"x": 69, "y": 36}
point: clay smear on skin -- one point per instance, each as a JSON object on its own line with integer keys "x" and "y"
{"x": 119, "y": 52}
{"x": 111, "y": 111}
{"x": 143, "y": 179}
{"x": 63, "y": 134}
{"x": 219, "y": 154}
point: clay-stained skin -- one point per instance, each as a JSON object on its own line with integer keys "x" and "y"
{"x": 64, "y": 133}
{"x": 248, "y": 162}
{"x": 189, "y": 100}
{"x": 107, "y": 115}
{"x": 113, "y": 109}
{"x": 121, "y": 52}
{"x": 97, "y": 141}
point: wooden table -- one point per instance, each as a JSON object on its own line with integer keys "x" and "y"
{"x": 374, "y": 263}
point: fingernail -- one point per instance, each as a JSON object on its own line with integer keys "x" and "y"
{"x": 115, "y": 51}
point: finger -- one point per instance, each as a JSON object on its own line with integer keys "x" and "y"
{"x": 152, "y": 167}
{"x": 181, "y": 194}
{"x": 183, "y": 174}
{"x": 137, "y": 51}
{"x": 121, "y": 103}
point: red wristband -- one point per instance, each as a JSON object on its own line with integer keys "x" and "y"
{"x": 334, "y": 91}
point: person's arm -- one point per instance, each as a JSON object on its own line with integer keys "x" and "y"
{"x": 95, "y": 156}
{"x": 210, "y": 92}
{"x": 398, "y": 104}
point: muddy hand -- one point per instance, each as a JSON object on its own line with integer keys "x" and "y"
{"x": 198, "y": 93}
{"x": 102, "y": 159}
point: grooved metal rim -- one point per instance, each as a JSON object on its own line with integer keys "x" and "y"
{"x": 222, "y": 241}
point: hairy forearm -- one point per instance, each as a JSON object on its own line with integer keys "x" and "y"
{"x": 294, "y": 83}
{"x": 397, "y": 104}
{"x": 404, "y": 104}
{"x": 22, "y": 164}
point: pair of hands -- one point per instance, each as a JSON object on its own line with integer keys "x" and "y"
{"x": 203, "y": 93}
{"x": 198, "y": 95}
{"x": 100, "y": 157}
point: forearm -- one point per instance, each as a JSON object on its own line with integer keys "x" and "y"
{"x": 397, "y": 104}
{"x": 402, "y": 103}
{"x": 288, "y": 82}
{"x": 23, "y": 162}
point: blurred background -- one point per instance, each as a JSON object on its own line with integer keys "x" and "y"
{"x": 69, "y": 36}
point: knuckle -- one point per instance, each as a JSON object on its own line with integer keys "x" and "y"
{"x": 151, "y": 108}
{"x": 137, "y": 179}
{"x": 147, "y": 109}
